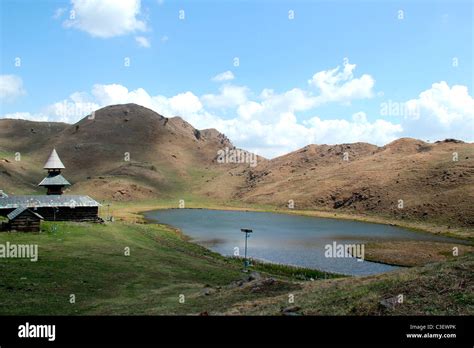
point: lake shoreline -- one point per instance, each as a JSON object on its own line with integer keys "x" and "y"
{"x": 135, "y": 210}
{"x": 188, "y": 238}
{"x": 327, "y": 215}
{"x": 377, "y": 257}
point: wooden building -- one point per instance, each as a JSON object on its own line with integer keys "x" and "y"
{"x": 54, "y": 206}
{"x": 23, "y": 220}
{"x": 54, "y": 181}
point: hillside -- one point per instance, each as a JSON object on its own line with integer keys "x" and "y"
{"x": 169, "y": 159}
{"x": 443, "y": 288}
{"x": 124, "y": 152}
{"x": 372, "y": 180}
{"x": 106, "y": 282}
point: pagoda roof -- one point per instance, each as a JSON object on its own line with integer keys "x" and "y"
{"x": 54, "y": 180}
{"x": 54, "y": 162}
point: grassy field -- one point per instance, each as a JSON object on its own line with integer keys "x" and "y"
{"x": 443, "y": 288}
{"x": 88, "y": 260}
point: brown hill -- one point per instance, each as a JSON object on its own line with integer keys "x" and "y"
{"x": 120, "y": 152}
{"x": 19, "y": 170}
{"x": 127, "y": 152}
{"x": 372, "y": 179}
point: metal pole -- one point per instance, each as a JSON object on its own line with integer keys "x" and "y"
{"x": 246, "y": 231}
{"x": 246, "y": 236}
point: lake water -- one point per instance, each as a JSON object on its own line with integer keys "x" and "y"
{"x": 287, "y": 239}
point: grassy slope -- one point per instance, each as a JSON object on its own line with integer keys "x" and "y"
{"x": 445, "y": 288}
{"x": 88, "y": 260}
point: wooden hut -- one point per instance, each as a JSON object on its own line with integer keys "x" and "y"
{"x": 24, "y": 220}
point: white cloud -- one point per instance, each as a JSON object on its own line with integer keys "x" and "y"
{"x": 181, "y": 104}
{"x": 68, "y": 110}
{"x": 292, "y": 100}
{"x": 185, "y": 103}
{"x": 339, "y": 131}
{"x": 230, "y": 96}
{"x": 441, "y": 112}
{"x": 267, "y": 122}
{"x": 11, "y": 87}
{"x": 249, "y": 110}
{"x": 225, "y": 76}
{"x": 112, "y": 94}
{"x": 106, "y": 18}
{"x": 143, "y": 41}
{"x": 335, "y": 85}
{"x": 269, "y": 127}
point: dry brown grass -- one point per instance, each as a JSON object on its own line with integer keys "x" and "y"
{"x": 414, "y": 253}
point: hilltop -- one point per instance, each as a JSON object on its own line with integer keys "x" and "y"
{"x": 129, "y": 153}
{"x": 406, "y": 179}
{"x": 121, "y": 152}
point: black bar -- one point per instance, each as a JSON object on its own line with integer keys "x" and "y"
{"x": 234, "y": 330}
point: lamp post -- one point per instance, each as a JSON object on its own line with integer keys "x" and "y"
{"x": 247, "y": 231}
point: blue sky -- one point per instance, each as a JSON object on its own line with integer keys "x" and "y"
{"x": 419, "y": 60}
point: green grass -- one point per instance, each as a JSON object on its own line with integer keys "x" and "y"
{"x": 290, "y": 271}
{"x": 444, "y": 288}
{"x": 88, "y": 260}
{"x": 7, "y": 154}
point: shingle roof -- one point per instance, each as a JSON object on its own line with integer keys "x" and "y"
{"x": 53, "y": 161}
{"x": 54, "y": 179}
{"x": 47, "y": 201}
{"x": 20, "y": 210}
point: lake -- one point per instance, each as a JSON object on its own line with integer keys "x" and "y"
{"x": 286, "y": 239}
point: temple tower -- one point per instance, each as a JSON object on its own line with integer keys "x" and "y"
{"x": 54, "y": 181}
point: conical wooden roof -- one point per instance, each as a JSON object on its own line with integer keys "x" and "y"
{"x": 53, "y": 161}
